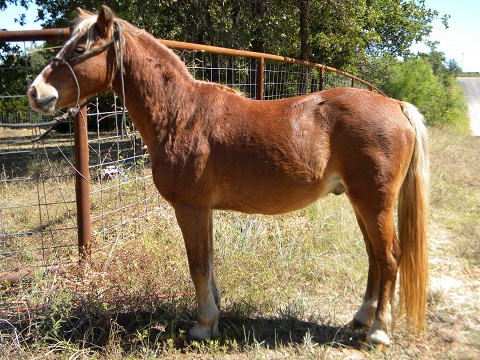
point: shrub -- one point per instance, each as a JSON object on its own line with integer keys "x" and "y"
{"x": 437, "y": 94}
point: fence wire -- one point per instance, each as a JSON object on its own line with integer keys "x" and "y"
{"x": 37, "y": 189}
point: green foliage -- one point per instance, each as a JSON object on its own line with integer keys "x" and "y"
{"x": 15, "y": 76}
{"x": 454, "y": 67}
{"x": 415, "y": 82}
{"x": 343, "y": 34}
{"x": 362, "y": 37}
{"x": 470, "y": 74}
{"x": 427, "y": 83}
{"x": 346, "y": 34}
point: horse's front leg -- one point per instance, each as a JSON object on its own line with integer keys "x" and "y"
{"x": 196, "y": 225}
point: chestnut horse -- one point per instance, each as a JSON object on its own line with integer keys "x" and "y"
{"x": 211, "y": 148}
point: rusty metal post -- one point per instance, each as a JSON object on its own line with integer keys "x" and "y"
{"x": 320, "y": 80}
{"x": 82, "y": 186}
{"x": 260, "y": 77}
{"x": 34, "y": 35}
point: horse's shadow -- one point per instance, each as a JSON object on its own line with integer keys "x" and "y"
{"x": 274, "y": 331}
{"x": 167, "y": 323}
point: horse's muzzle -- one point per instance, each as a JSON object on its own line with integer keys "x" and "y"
{"x": 45, "y": 104}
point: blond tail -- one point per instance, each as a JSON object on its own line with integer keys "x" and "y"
{"x": 412, "y": 226}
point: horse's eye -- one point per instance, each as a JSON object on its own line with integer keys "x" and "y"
{"x": 79, "y": 50}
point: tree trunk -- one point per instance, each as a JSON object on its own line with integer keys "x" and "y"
{"x": 304, "y": 48}
{"x": 258, "y": 11}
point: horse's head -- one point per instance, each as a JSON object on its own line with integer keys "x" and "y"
{"x": 84, "y": 67}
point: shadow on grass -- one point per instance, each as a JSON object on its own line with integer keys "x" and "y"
{"x": 93, "y": 324}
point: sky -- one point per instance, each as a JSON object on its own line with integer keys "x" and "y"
{"x": 461, "y": 41}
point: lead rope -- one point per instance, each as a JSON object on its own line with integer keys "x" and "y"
{"x": 70, "y": 113}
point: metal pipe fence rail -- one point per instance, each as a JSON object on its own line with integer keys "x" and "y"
{"x": 91, "y": 182}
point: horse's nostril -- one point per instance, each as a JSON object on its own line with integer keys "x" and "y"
{"x": 32, "y": 92}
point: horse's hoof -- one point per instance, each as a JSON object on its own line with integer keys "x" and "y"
{"x": 378, "y": 338}
{"x": 364, "y": 317}
{"x": 367, "y": 347}
{"x": 200, "y": 332}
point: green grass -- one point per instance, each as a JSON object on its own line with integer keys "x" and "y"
{"x": 455, "y": 197}
{"x": 290, "y": 283}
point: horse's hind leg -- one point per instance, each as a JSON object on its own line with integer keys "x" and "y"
{"x": 196, "y": 229}
{"x": 377, "y": 217}
{"x": 365, "y": 315}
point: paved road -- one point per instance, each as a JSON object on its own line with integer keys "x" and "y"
{"x": 472, "y": 93}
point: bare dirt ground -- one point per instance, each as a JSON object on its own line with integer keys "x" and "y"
{"x": 453, "y": 318}
{"x": 454, "y": 301}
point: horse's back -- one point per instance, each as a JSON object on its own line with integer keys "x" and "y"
{"x": 278, "y": 156}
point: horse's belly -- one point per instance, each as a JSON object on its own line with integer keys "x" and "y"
{"x": 270, "y": 199}
{"x": 257, "y": 206}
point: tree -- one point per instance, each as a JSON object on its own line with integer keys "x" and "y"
{"x": 435, "y": 92}
{"x": 414, "y": 81}
{"x": 436, "y": 60}
{"x": 304, "y": 30}
{"x": 453, "y": 67}
{"x": 364, "y": 37}
{"x": 343, "y": 34}
{"x": 251, "y": 24}
{"x": 15, "y": 82}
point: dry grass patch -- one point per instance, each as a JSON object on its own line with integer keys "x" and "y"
{"x": 290, "y": 284}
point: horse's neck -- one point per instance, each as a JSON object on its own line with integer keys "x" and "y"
{"x": 157, "y": 85}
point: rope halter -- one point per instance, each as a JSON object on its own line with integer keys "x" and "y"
{"x": 117, "y": 35}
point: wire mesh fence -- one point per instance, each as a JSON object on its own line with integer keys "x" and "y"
{"x": 239, "y": 73}
{"x": 38, "y": 219}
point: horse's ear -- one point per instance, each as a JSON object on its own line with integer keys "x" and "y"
{"x": 82, "y": 13}
{"x": 105, "y": 20}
